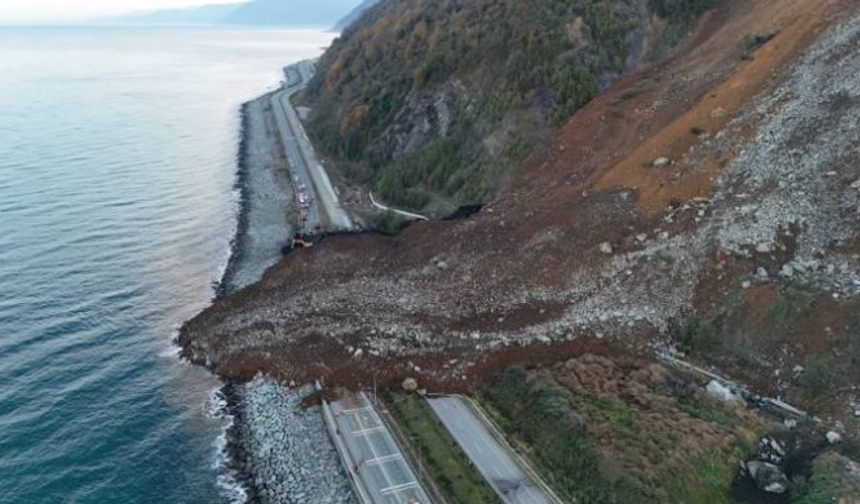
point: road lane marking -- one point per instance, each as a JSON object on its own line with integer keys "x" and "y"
{"x": 399, "y": 488}
{"x": 369, "y": 430}
{"x": 385, "y": 459}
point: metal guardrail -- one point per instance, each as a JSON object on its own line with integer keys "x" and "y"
{"x": 523, "y": 461}
{"x": 357, "y": 486}
{"x": 739, "y": 389}
{"x": 408, "y": 215}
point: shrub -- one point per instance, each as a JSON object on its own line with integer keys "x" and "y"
{"x": 389, "y": 223}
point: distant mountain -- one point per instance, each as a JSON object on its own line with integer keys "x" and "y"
{"x": 291, "y": 12}
{"x": 324, "y": 13}
{"x": 208, "y": 14}
{"x": 354, "y": 14}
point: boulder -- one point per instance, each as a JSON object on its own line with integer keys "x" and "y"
{"x": 410, "y": 385}
{"x": 661, "y": 161}
{"x": 606, "y": 248}
{"x": 720, "y": 392}
{"x": 767, "y": 477}
{"x": 833, "y": 437}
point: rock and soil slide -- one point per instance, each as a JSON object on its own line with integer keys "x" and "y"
{"x": 713, "y": 181}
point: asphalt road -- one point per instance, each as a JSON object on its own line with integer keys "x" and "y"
{"x": 323, "y": 209}
{"x": 374, "y": 456}
{"x": 493, "y": 460}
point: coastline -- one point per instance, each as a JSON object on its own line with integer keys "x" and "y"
{"x": 262, "y": 413}
{"x": 238, "y": 460}
{"x": 236, "y": 247}
{"x": 267, "y": 212}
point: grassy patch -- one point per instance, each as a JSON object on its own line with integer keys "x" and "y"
{"x": 707, "y": 479}
{"x": 610, "y": 409}
{"x": 536, "y": 415}
{"x": 694, "y": 334}
{"x": 816, "y": 489}
{"x": 389, "y": 223}
{"x": 707, "y": 411}
{"x": 721, "y": 332}
{"x": 633, "y": 445}
{"x": 447, "y": 464}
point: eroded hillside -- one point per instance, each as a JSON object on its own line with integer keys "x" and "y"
{"x": 709, "y": 203}
{"x": 431, "y": 103}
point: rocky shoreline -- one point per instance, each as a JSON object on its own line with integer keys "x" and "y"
{"x": 267, "y": 207}
{"x": 278, "y": 451}
{"x": 282, "y": 451}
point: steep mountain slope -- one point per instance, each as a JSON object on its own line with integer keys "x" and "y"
{"x": 432, "y": 102}
{"x": 742, "y": 246}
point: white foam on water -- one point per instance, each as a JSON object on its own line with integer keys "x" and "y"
{"x": 228, "y": 484}
{"x": 171, "y": 352}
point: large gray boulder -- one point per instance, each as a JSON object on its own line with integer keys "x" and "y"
{"x": 768, "y": 477}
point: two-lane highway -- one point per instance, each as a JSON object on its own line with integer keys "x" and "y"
{"x": 493, "y": 460}
{"x": 378, "y": 467}
{"x": 317, "y": 196}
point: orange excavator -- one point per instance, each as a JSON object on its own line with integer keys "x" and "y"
{"x": 300, "y": 242}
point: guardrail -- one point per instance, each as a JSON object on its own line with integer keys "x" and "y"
{"x": 524, "y": 462}
{"x": 408, "y": 215}
{"x": 497, "y": 433}
{"x": 737, "y": 388}
{"x": 354, "y": 481}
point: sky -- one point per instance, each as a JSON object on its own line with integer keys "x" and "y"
{"x": 24, "y": 11}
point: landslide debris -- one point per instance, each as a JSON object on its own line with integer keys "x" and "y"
{"x": 747, "y": 238}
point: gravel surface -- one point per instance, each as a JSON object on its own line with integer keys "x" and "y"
{"x": 267, "y": 209}
{"x": 288, "y": 452}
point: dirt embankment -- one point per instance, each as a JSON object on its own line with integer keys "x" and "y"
{"x": 592, "y": 239}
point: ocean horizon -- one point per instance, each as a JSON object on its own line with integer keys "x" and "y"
{"x": 117, "y": 209}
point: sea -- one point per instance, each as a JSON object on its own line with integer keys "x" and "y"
{"x": 117, "y": 209}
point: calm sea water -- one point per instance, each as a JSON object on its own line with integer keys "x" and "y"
{"x": 117, "y": 165}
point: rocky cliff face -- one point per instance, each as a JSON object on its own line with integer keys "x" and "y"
{"x": 710, "y": 204}
{"x": 426, "y": 117}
